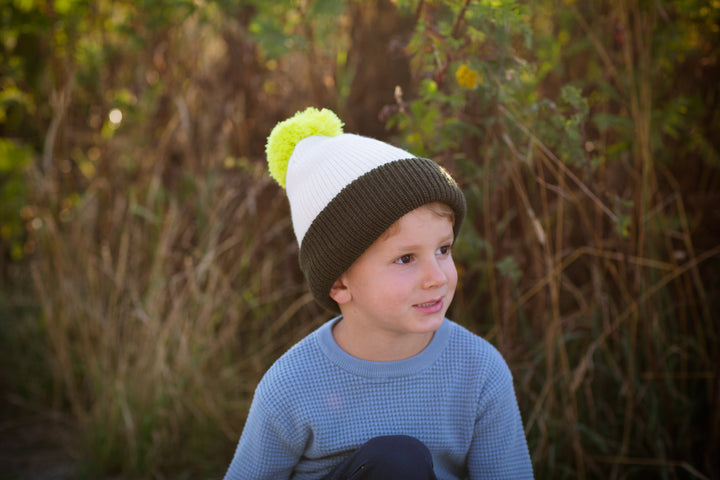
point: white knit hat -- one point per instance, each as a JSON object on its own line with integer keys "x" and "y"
{"x": 345, "y": 190}
{"x": 321, "y": 167}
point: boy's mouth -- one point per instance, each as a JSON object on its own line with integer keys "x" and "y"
{"x": 434, "y": 303}
{"x": 429, "y": 304}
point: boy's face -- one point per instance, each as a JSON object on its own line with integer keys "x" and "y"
{"x": 405, "y": 281}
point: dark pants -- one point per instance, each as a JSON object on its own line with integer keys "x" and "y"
{"x": 385, "y": 458}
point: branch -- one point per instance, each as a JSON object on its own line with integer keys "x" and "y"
{"x": 458, "y": 20}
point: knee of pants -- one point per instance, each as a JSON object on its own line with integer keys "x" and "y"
{"x": 405, "y": 456}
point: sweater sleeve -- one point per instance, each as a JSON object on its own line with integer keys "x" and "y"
{"x": 269, "y": 447}
{"x": 499, "y": 448}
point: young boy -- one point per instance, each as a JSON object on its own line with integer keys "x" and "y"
{"x": 390, "y": 388}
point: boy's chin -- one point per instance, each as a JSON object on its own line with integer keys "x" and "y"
{"x": 431, "y": 324}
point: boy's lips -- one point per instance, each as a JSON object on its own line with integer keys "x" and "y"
{"x": 430, "y": 306}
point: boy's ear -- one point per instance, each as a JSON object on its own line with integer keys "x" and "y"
{"x": 340, "y": 291}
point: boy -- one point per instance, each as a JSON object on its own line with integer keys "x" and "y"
{"x": 390, "y": 388}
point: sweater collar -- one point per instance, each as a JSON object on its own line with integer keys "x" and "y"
{"x": 382, "y": 370}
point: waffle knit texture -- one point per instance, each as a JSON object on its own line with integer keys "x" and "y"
{"x": 317, "y": 404}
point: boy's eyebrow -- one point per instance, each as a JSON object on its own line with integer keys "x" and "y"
{"x": 414, "y": 246}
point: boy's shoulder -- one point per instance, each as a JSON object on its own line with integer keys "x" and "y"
{"x": 475, "y": 352}
{"x": 300, "y": 364}
{"x": 302, "y": 355}
{"x": 469, "y": 342}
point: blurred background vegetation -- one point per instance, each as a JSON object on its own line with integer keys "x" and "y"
{"x": 148, "y": 270}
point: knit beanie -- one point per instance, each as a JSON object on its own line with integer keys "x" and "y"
{"x": 345, "y": 190}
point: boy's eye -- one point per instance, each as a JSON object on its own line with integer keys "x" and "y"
{"x": 444, "y": 250}
{"x": 404, "y": 259}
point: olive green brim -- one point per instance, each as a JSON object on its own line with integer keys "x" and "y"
{"x": 363, "y": 210}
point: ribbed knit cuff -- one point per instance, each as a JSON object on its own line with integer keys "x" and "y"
{"x": 363, "y": 210}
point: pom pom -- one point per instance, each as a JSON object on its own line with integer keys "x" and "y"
{"x": 288, "y": 133}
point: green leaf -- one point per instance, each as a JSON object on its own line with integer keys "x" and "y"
{"x": 604, "y": 121}
{"x": 509, "y": 268}
{"x": 13, "y": 158}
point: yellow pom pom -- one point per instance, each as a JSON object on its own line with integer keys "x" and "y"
{"x": 287, "y": 134}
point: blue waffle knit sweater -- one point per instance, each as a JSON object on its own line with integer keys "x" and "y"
{"x": 317, "y": 404}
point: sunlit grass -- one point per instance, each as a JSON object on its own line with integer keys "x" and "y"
{"x": 156, "y": 322}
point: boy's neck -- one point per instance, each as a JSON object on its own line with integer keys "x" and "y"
{"x": 376, "y": 346}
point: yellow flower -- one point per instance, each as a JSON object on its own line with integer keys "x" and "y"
{"x": 467, "y": 77}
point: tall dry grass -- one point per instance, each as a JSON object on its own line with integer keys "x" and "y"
{"x": 608, "y": 338}
{"x": 587, "y": 260}
{"x": 161, "y": 310}
{"x": 162, "y": 263}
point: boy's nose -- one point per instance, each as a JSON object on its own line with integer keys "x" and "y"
{"x": 434, "y": 275}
